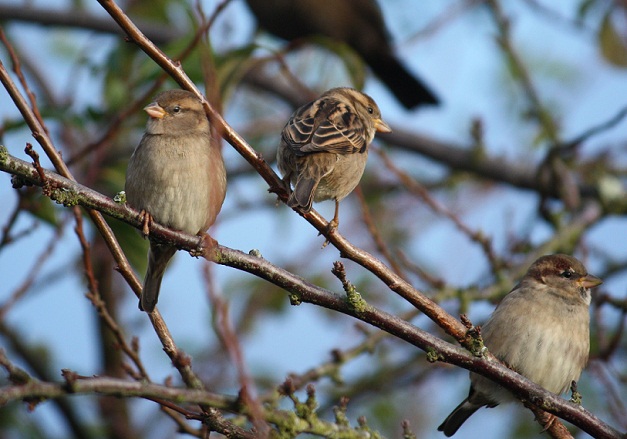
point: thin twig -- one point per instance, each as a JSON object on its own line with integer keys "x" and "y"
{"x": 303, "y": 291}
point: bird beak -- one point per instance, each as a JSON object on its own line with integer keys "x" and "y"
{"x": 381, "y": 126}
{"x": 589, "y": 281}
{"x": 155, "y": 111}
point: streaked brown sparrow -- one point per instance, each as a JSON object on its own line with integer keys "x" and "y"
{"x": 176, "y": 177}
{"x": 324, "y": 146}
{"x": 540, "y": 329}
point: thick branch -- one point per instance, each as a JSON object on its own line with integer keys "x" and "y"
{"x": 82, "y": 20}
{"x": 455, "y": 156}
{"x": 393, "y": 281}
{"x": 66, "y": 191}
{"x": 33, "y": 391}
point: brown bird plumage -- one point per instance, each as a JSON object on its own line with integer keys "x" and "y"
{"x": 541, "y": 329}
{"x": 357, "y": 23}
{"x": 176, "y": 176}
{"x": 324, "y": 146}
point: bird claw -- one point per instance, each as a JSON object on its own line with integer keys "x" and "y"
{"x": 548, "y": 422}
{"x": 205, "y": 243}
{"x": 146, "y": 220}
{"x": 331, "y": 227}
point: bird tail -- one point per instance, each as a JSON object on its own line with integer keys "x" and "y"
{"x": 409, "y": 91}
{"x": 455, "y": 420}
{"x": 303, "y": 193}
{"x": 158, "y": 258}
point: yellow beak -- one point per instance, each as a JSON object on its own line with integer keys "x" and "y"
{"x": 381, "y": 126}
{"x": 589, "y": 281}
{"x": 155, "y": 111}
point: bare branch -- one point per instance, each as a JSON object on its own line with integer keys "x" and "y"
{"x": 82, "y": 20}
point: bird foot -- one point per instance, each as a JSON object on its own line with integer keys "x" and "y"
{"x": 331, "y": 227}
{"x": 282, "y": 190}
{"x": 547, "y": 421}
{"x": 146, "y": 219}
{"x": 206, "y": 243}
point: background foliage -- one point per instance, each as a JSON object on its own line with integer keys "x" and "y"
{"x": 525, "y": 156}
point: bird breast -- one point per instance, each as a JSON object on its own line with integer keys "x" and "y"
{"x": 179, "y": 186}
{"x": 344, "y": 178}
{"x": 546, "y": 342}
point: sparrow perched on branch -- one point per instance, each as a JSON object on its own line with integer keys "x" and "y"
{"x": 357, "y": 23}
{"x": 176, "y": 177}
{"x": 541, "y": 329}
{"x": 324, "y": 147}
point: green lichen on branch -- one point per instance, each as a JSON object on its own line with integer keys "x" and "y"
{"x": 4, "y": 154}
{"x": 575, "y": 397}
{"x": 433, "y": 355}
{"x": 353, "y": 297}
{"x": 295, "y": 299}
{"x": 473, "y": 340}
{"x": 120, "y": 197}
{"x": 64, "y": 196}
{"x": 304, "y": 418}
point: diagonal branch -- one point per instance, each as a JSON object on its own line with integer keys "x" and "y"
{"x": 300, "y": 290}
{"x": 61, "y": 195}
{"x": 452, "y": 326}
{"x": 78, "y": 19}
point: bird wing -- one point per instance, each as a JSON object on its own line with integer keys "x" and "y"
{"x": 325, "y": 126}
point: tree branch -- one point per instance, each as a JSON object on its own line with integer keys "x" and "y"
{"x": 78, "y": 19}
{"x": 300, "y": 290}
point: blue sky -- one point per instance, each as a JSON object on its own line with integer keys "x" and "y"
{"x": 462, "y": 63}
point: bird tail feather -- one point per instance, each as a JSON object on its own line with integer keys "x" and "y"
{"x": 457, "y": 417}
{"x": 303, "y": 193}
{"x": 158, "y": 258}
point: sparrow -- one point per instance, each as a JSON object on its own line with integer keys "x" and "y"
{"x": 324, "y": 147}
{"x": 541, "y": 329}
{"x": 356, "y": 23}
{"x": 176, "y": 176}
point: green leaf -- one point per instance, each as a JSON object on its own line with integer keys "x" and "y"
{"x": 613, "y": 46}
{"x": 584, "y": 8}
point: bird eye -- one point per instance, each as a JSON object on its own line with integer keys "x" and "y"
{"x": 567, "y": 274}
{"x": 370, "y": 110}
{"x": 176, "y": 109}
